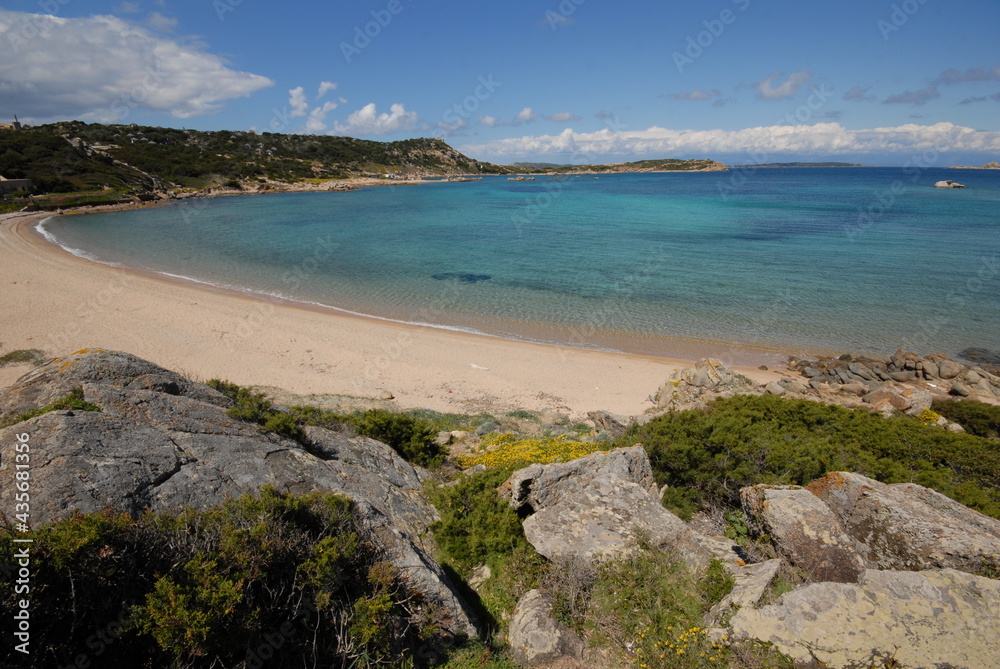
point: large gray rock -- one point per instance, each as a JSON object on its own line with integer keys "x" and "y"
{"x": 57, "y": 378}
{"x": 597, "y": 507}
{"x": 906, "y": 526}
{"x": 536, "y": 638}
{"x": 926, "y": 619}
{"x": 164, "y": 443}
{"x": 804, "y": 531}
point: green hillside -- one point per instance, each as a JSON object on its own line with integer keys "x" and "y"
{"x": 76, "y": 156}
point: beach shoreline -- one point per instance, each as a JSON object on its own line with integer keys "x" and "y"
{"x": 58, "y": 302}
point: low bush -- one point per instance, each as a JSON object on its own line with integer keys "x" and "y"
{"x": 706, "y": 456}
{"x": 223, "y": 586}
{"x": 978, "y": 418}
{"x": 507, "y": 452}
{"x": 412, "y": 438}
{"x": 72, "y": 401}
{"x": 20, "y": 356}
{"x": 477, "y": 527}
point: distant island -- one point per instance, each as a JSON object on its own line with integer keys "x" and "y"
{"x": 988, "y": 166}
{"x": 824, "y": 164}
{"x": 661, "y": 165}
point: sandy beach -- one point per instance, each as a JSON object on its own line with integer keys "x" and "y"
{"x": 59, "y": 303}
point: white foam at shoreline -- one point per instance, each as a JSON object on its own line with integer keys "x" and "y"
{"x": 49, "y": 237}
{"x": 261, "y": 294}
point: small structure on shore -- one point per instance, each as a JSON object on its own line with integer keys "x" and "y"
{"x": 8, "y": 186}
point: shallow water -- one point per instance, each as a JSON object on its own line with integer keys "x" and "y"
{"x": 808, "y": 259}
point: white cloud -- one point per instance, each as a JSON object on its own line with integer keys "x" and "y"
{"x": 324, "y": 88}
{"x": 367, "y": 121}
{"x": 787, "y": 89}
{"x": 491, "y": 121}
{"x": 101, "y": 68}
{"x": 316, "y": 122}
{"x": 158, "y": 21}
{"x": 563, "y": 117}
{"x": 526, "y": 115}
{"x": 297, "y": 101}
{"x": 828, "y": 139}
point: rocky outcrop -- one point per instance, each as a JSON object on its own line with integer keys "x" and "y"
{"x": 921, "y": 619}
{"x": 165, "y": 443}
{"x": 536, "y": 638}
{"x": 695, "y": 386}
{"x": 905, "y": 382}
{"x": 948, "y": 183}
{"x": 907, "y": 526}
{"x": 751, "y": 581}
{"x": 598, "y": 506}
{"x": 804, "y": 531}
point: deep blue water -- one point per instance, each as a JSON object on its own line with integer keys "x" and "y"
{"x": 807, "y": 259}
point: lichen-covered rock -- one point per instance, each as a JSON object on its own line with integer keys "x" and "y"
{"x": 58, "y": 377}
{"x": 750, "y": 583}
{"x": 597, "y": 507}
{"x": 941, "y": 618}
{"x": 164, "y": 443}
{"x": 804, "y": 531}
{"x": 536, "y": 638}
{"x": 907, "y": 526}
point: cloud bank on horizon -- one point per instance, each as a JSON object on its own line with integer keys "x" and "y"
{"x": 559, "y": 80}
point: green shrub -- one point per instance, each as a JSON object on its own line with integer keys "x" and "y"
{"x": 411, "y": 437}
{"x": 745, "y": 440}
{"x": 476, "y": 524}
{"x": 978, "y": 418}
{"x": 208, "y": 587}
{"x": 20, "y": 356}
{"x": 478, "y": 527}
{"x": 73, "y": 401}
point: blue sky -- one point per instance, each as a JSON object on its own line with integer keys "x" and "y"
{"x": 872, "y": 81}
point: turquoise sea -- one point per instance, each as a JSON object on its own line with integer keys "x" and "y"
{"x": 799, "y": 260}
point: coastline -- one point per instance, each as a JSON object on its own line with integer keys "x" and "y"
{"x": 58, "y": 302}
